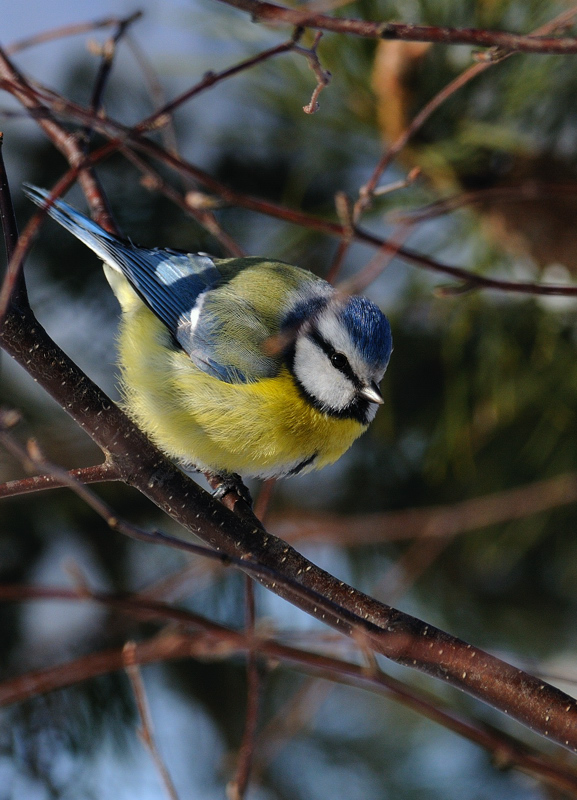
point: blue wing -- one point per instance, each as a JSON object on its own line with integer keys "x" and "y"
{"x": 172, "y": 284}
{"x": 168, "y": 281}
{"x": 226, "y": 339}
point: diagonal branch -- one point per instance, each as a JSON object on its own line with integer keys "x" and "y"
{"x": 121, "y": 135}
{"x": 99, "y": 473}
{"x": 67, "y": 30}
{"x": 396, "y": 635}
{"x": 400, "y": 637}
{"x": 66, "y": 142}
{"x": 367, "y": 191}
{"x": 274, "y": 14}
{"x": 108, "y": 52}
{"x": 205, "y": 638}
{"x": 431, "y": 522}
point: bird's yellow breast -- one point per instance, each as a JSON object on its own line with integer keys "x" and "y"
{"x": 262, "y": 428}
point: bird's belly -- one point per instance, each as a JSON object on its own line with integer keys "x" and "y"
{"x": 260, "y": 429}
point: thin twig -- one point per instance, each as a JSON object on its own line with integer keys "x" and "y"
{"x": 210, "y": 79}
{"x": 261, "y": 506}
{"x": 108, "y": 127}
{"x": 62, "y": 139}
{"x": 528, "y": 191}
{"x": 146, "y": 732}
{"x": 155, "y": 90}
{"x": 379, "y": 262}
{"x": 237, "y": 788}
{"x": 63, "y": 32}
{"x": 107, "y": 52}
{"x": 191, "y": 579}
{"x": 100, "y": 473}
{"x": 344, "y": 209}
{"x": 323, "y": 76}
{"x": 346, "y": 214}
{"x": 274, "y": 14}
{"x": 153, "y": 181}
{"x": 380, "y": 191}
{"x": 219, "y": 640}
{"x": 442, "y": 521}
{"x": 293, "y": 716}
{"x": 366, "y": 193}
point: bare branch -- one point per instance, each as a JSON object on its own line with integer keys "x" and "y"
{"x": 146, "y": 731}
{"x": 67, "y": 30}
{"x": 380, "y": 261}
{"x": 107, "y": 52}
{"x": 109, "y": 127}
{"x": 62, "y": 139}
{"x": 153, "y": 181}
{"x": 217, "y": 640}
{"x": 292, "y": 717}
{"x": 430, "y": 522}
{"x": 323, "y": 76}
{"x": 100, "y": 473}
{"x": 280, "y": 15}
{"x": 237, "y": 788}
{"x": 344, "y": 209}
{"x": 159, "y": 118}
{"x": 367, "y": 191}
{"x": 527, "y": 191}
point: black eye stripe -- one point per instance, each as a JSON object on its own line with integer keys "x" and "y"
{"x": 330, "y": 351}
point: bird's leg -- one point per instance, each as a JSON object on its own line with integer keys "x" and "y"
{"x": 233, "y": 494}
{"x": 230, "y": 483}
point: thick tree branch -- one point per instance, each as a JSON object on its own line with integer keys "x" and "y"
{"x": 400, "y": 637}
{"x": 206, "y": 639}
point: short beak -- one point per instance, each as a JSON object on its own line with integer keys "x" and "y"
{"x": 372, "y": 393}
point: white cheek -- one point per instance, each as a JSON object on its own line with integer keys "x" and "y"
{"x": 332, "y": 331}
{"x": 319, "y": 378}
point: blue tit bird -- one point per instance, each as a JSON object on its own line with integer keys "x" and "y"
{"x": 238, "y": 365}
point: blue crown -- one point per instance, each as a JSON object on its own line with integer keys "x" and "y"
{"x": 369, "y": 329}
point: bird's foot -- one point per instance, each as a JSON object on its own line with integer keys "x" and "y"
{"x": 229, "y": 484}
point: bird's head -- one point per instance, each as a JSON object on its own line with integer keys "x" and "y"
{"x": 339, "y": 353}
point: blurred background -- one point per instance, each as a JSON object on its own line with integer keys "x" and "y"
{"x": 481, "y": 398}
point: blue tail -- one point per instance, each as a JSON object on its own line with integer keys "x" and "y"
{"x": 168, "y": 281}
{"x": 95, "y": 237}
